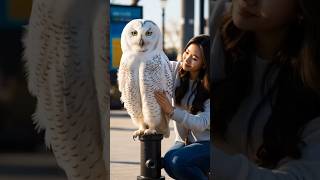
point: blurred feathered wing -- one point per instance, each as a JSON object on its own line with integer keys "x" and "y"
{"x": 67, "y": 70}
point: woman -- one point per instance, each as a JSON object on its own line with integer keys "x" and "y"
{"x": 266, "y": 106}
{"x": 189, "y": 157}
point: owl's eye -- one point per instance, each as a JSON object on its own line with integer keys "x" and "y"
{"x": 134, "y": 33}
{"x": 148, "y": 33}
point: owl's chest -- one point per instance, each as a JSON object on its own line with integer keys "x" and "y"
{"x": 140, "y": 62}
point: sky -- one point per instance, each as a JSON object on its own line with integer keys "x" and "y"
{"x": 152, "y": 10}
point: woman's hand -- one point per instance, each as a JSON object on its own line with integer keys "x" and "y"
{"x": 164, "y": 102}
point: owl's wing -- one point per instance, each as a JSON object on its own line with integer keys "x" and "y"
{"x": 101, "y": 75}
{"x": 128, "y": 83}
{"x": 150, "y": 79}
{"x": 167, "y": 78}
{"x": 66, "y": 67}
{"x": 160, "y": 71}
{"x": 156, "y": 75}
{"x": 122, "y": 73}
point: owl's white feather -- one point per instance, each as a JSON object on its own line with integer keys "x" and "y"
{"x": 144, "y": 69}
{"x": 66, "y": 65}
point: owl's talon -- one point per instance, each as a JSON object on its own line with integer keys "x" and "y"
{"x": 137, "y": 133}
{"x": 150, "y": 131}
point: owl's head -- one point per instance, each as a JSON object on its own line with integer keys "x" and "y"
{"x": 142, "y": 36}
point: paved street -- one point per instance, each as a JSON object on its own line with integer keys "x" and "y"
{"x": 124, "y": 152}
{"x": 124, "y": 156}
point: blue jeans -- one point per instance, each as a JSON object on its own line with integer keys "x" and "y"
{"x": 188, "y": 162}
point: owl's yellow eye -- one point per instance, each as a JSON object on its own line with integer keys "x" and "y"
{"x": 134, "y": 33}
{"x": 148, "y": 33}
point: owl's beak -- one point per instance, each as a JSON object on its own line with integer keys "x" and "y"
{"x": 141, "y": 42}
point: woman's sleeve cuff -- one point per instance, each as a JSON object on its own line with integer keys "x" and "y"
{"x": 178, "y": 115}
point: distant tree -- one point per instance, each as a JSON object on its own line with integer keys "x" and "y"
{"x": 173, "y": 34}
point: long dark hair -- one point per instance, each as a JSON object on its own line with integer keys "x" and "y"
{"x": 295, "y": 94}
{"x": 202, "y": 81}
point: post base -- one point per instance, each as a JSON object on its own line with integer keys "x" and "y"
{"x": 147, "y": 178}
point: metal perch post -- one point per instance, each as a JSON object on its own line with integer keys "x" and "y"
{"x": 150, "y": 157}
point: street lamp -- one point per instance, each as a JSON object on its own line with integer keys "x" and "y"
{"x": 163, "y": 5}
{"x": 134, "y": 2}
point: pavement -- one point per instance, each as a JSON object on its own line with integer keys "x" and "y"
{"x": 124, "y": 156}
{"x": 124, "y": 151}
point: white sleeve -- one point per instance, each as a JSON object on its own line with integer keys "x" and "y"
{"x": 199, "y": 122}
{"x": 238, "y": 167}
{"x": 180, "y": 131}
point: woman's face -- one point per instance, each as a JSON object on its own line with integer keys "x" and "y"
{"x": 192, "y": 59}
{"x": 263, "y": 15}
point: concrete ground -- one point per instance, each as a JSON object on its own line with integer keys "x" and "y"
{"x": 124, "y": 151}
{"x": 124, "y": 156}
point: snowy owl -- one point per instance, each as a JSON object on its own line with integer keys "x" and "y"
{"x": 67, "y": 68}
{"x": 144, "y": 68}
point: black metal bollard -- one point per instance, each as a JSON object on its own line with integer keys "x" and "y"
{"x": 150, "y": 157}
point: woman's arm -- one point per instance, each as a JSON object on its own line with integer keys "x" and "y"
{"x": 199, "y": 122}
{"x": 238, "y": 167}
{"x": 180, "y": 131}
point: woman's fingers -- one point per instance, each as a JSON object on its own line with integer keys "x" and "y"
{"x": 160, "y": 95}
{"x": 160, "y": 99}
{"x": 163, "y": 101}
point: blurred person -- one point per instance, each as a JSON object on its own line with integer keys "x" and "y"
{"x": 266, "y": 90}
